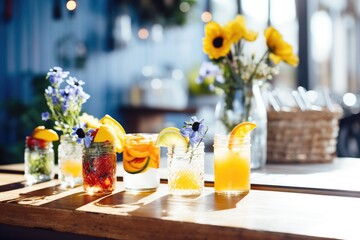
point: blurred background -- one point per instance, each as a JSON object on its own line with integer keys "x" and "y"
{"x": 140, "y": 58}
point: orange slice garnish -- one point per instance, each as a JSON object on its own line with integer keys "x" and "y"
{"x": 241, "y": 131}
{"x": 42, "y": 133}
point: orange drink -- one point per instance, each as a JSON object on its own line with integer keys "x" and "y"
{"x": 232, "y": 160}
{"x": 141, "y": 160}
{"x": 231, "y": 164}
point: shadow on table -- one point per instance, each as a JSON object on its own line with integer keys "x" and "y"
{"x": 169, "y": 205}
{"x": 36, "y": 196}
{"x": 12, "y": 186}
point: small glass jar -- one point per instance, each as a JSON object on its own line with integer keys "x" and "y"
{"x": 39, "y": 160}
{"x": 231, "y": 164}
{"x": 186, "y": 170}
{"x": 141, "y": 161}
{"x": 99, "y": 168}
{"x": 70, "y": 162}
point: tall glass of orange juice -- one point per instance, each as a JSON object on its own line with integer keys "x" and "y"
{"x": 141, "y": 161}
{"x": 232, "y": 164}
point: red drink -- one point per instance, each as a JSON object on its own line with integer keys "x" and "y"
{"x": 99, "y": 168}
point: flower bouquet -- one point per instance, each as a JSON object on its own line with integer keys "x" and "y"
{"x": 238, "y": 76}
{"x": 65, "y": 106}
{"x": 64, "y": 103}
{"x": 234, "y": 71}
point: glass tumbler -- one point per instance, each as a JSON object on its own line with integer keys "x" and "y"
{"x": 70, "y": 162}
{"x": 99, "y": 168}
{"x": 231, "y": 164}
{"x": 186, "y": 170}
{"x": 39, "y": 160}
{"x": 141, "y": 161}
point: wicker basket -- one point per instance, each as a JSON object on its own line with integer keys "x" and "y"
{"x": 302, "y": 136}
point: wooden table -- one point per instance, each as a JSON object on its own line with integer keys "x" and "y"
{"x": 286, "y": 201}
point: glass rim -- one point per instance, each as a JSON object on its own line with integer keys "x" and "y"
{"x": 135, "y": 135}
{"x": 200, "y": 146}
{"x": 227, "y": 136}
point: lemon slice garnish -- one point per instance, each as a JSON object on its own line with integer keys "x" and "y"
{"x": 171, "y": 136}
{"x": 119, "y": 131}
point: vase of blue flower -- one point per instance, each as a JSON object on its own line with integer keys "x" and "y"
{"x": 65, "y": 105}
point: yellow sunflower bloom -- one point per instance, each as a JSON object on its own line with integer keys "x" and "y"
{"x": 279, "y": 49}
{"x": 237, "y": 29}
{"x": 216, "y": 41}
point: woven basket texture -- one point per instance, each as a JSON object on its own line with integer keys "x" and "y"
{"x": 302, "y": 136}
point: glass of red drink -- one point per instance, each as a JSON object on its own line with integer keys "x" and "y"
{"x": 99, "y": 168}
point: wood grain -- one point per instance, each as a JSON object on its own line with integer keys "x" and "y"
{"x": 125, "y": 215}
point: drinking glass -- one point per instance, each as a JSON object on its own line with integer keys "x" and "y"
{"x": 99, "y": 168}
{"x": 186, "y": 170}
{"x": 231, "y": 164}
{"x": 39, "y": 160}
{"x": 141, "y": 160}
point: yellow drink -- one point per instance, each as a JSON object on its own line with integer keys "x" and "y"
{"x": 231, "y": 165}
{"x": 186, "y": 170}
{"x": 186, "y": 180}
{"x": 71, "y": 168}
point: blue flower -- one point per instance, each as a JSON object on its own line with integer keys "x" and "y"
{"x": 195, "y": 130}
{"x": 45, "y": 116}
{"x": 56, "y": 76}
{"x": 82, "y": 135}
{"x": 72, "y": 81}
{"x": 49, "y": 91}
{"x": 208, "y": 69}
{"x": 64, "y": 103}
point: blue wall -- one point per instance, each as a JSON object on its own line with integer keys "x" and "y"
{"x": 29, "y": 46}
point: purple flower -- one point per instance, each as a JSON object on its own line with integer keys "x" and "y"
{"x": 208, "y": 69}
{"x": 56, "y": 76}
{"x": 67, "y": 92}
{"x": 64, "y": 103}
{"x": 45, "y": 116}
{"x": 82, "y": 135}
{"x": 72, "y": 81}
{"x": 83, "y": 97}
{"x": 49, "y": 91}
{"x": 195, "y": 130}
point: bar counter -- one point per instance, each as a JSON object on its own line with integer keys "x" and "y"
{"x": 283, "y": 204}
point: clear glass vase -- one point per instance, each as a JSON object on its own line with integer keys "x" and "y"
{"x": 70, "y": 162}
{"x": 245, "y": 105}
{"x": 186, "y": 170}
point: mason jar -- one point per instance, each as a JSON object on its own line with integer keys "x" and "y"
{"x": 186, "y": 170}
{"x": 141, "y": 161}
{"x": 231, "y": 164}
{"x": 70, "y": 162}
{"x": 39, "y": 160}
{"x": 99, "y": 168}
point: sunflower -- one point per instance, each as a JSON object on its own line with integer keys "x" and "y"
{"x": 216, "y": 42}
{"x": 237, "y": 29}
{"x": 279, "y": 49}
